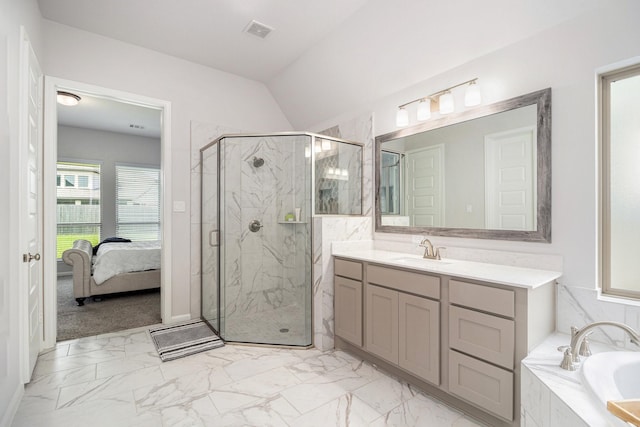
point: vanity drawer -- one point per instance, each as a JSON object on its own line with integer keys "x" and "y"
{"x": 485, "y": 298}
{"x": 488, "y": 337}
{"x": 406, "y": 281}
{"x": 350, "y": 269}
{"x": 485, "y": 385}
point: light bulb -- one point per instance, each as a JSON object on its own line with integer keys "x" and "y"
{"x": 446, "y": 103}
{"x": 472, "y": 96}
{"x": 402, "y": 117}
{"x": 424, "y": 110}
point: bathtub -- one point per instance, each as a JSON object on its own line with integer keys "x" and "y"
{"x": 613, "y": 375}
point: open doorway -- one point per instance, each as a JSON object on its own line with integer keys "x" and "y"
{"x": 109, "y": 154}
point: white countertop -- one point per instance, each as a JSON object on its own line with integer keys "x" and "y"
{"x": 520, "y": 277}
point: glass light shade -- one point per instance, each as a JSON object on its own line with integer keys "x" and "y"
{"x": 307, "y": 151}
{"x": 446, "y": 103}
{"x": 68, "y": 99}
{"x": 317, "y": 147}
{"x": 326, "y": 145}
{"x": 402, "y": 117}
{"x": 472, "y": 96}
{"x": 424, "y": 110}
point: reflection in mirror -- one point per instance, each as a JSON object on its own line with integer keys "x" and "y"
{"x": 484, "y": 173}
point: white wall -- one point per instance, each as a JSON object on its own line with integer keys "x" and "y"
{"x": 197, "y": 93}
{"x": 106, "y": 148}
{"x": 13, "y": 13}
{"x": 564, "y": 58}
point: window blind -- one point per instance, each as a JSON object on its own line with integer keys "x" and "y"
{"x": 137, "y": 202}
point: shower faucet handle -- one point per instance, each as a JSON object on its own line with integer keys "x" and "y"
{"x": 255, "y": 226}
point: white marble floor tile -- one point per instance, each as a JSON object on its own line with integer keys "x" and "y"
{"x": 118, "y": 379}
{"x": 346, "y": 411}
{"x": 385, "y": 393}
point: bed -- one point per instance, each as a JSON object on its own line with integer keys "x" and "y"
{"x": 116, "y": 267}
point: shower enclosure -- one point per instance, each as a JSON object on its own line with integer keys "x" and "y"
{"x": 259, "y": 195}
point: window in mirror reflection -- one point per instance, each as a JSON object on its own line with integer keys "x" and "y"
{"x": 390, "y": 182}
{"x": 620, "y": 97}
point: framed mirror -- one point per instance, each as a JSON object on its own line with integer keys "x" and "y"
{"x": 484, "y": 173}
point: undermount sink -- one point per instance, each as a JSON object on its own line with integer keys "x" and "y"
{"x": 421, "y": 262}
{"x": 612, "y": 376}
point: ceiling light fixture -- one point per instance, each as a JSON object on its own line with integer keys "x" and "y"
{"x": 444, "y": 98}
{"x": 67, "y": 98}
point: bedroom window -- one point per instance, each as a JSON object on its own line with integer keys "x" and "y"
{"x": 138, "y": 202}
{"x": 78, "y": 206}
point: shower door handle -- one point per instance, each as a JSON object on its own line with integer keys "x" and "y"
{"x": 255, "y": 226}
{"x": 213, "y": 238}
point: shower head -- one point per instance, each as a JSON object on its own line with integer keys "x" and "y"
{"x": 257, "y": 162}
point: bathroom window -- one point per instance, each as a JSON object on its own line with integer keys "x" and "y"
{"x": 620, "y": 180}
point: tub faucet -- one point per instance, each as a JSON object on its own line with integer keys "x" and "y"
{"x": 578, "y": 336}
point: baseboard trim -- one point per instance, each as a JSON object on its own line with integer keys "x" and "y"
{"x": 12, "y": 408}
{"x": 180, "y": 318}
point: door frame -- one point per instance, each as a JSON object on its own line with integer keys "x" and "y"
{"x": 50, "y": 157}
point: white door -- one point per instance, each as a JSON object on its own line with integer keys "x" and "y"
{"x": 510, "y": 176}
{"x": 425, "y": 183}
{"x": 31, "y": 200}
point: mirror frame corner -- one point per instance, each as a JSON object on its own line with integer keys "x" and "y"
{"x": 542, "y": 99}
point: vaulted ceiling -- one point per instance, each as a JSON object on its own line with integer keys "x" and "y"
{"x": 325, "y": 57}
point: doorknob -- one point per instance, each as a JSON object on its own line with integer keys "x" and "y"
{"x": 28, "y": 257}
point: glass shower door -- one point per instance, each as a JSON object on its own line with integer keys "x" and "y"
{"x": 265, "y": 236}
{"x": 210, "y": 236}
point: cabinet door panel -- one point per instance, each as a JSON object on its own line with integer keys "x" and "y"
{"x": 348, "y": 309}
{"x": 485, "y": 385}
{"x": 382, "y": 322}
{"x": 349, "y": 269}
{"x": 405, "y": 281}
{"x": 488, "y": 337}
{"x": 485, "y": 298}
{"x": 419, "y": 325}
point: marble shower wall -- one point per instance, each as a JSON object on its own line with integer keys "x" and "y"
{"x": 327, "y": 229}
{"x": 271, "y": 268}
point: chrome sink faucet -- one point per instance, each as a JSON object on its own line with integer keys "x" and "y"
{"x": 429, "y": 251}
{"x": 571, "y": 356}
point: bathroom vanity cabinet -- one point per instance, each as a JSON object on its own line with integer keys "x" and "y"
{"x": 459, "y": 340}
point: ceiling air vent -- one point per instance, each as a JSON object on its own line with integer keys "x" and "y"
{"x": 258, "y": 29}
{"x": 133, "y": 126}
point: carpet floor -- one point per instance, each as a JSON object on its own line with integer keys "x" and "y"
{"x": 115, "y": 312}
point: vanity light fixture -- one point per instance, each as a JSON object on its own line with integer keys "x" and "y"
{"x": 444, "y": 99}
{"x": 67, "y": 98}
{"x": 424, "y": 110}
{"x": 472, "y": 96}
{"x": 402, "y": 117}
{"x": 446, "y": 103}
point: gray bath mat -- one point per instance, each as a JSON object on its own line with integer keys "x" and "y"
{"x": 175, "y": 341}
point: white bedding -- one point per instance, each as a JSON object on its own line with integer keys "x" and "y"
{"x": 116, "y": 258}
